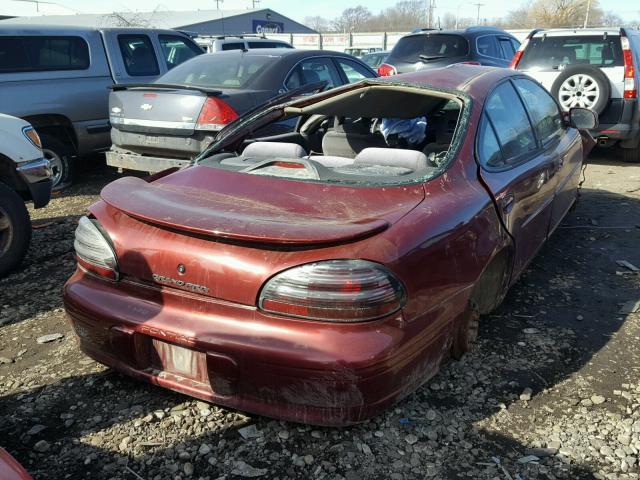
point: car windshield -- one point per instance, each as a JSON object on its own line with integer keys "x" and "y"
{"x": 218, "y": 70}
{"x": 370, "y": 134}
{"x": 415, "y": 48}
{"x": 552, "y": 53}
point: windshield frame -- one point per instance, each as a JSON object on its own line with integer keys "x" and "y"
{"x": 239, "y": 129}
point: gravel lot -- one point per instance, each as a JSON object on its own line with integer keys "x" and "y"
{"x": 552, "y": 391}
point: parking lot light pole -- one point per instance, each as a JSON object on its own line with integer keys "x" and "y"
{"x": 586, "y": 17}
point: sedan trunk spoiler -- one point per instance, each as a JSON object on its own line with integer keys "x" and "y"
{"x": 212, "y": 92}
{"x": 237, "y": 218}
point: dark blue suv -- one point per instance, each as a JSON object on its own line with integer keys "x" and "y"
{"x": 428, "y": 48}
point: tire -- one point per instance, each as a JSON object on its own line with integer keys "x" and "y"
{"x": 582, "y": 86}
{"x": 60, "y": 155}
{"x": 467, "y": 333}
{"x": 15, "y": 229}
{"x": 631, "y": 155}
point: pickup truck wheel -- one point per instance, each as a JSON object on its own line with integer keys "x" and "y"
{"x": 15, "y": 229}
{"x": 467, "y": 333}
{"x": 631, "y": 155}
{"x": 61, "y": 159}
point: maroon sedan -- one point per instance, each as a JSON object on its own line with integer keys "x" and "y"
{"x": 323, "y": 274}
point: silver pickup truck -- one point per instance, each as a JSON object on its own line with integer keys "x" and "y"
{"x": 57, "y": 79}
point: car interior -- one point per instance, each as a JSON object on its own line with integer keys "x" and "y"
{"x": 343, "y": 138}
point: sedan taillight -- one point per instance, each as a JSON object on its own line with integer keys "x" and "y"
{"x": 93, "y": 249}
{"x": 335, "y": 291}
{"x": 386, "y": 70}
{"x": 215, "y": 115}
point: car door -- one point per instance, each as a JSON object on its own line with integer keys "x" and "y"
{"x": 517, "y": 171}
{"x": 489, "y": 51}
{"x": 561, "y": 143}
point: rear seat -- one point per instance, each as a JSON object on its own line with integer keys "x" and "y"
{"x": 349, "y": 139}
{"x": 392, "y": 157}
{"x": 258, "y": 151}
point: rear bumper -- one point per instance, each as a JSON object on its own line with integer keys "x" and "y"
{"x": 133, "y": 161}
{"x": 311, "y": 372}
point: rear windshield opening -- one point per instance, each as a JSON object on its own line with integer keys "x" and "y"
{"x": 371, "y": 135}
{"x": 415, "y": 48}
{"x": 553, "y": 53}
{"x": 218, "y": 70}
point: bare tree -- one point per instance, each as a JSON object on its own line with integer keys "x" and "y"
{"x": 352, "y": 19}
{"x": 554, "y": 13}
{"x": 318, "y": 23}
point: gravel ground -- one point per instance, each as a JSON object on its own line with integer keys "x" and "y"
{"x": 551, "y": 391}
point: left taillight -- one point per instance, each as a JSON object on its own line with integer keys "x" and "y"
{"x": 215, "y": 114}
{"x": 515, "y": 60}
{"x": 94, "y": 250}
{"x": 335, "y": 291}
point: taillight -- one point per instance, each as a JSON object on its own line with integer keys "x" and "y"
{"x": 215, "y": 114}
{"x": 386, "y": 70}
{"x": 93, "y": 249}
{"x": 334, "y": 291}
{"x": 630, "y": 90}
{"x": 518, "y": 55}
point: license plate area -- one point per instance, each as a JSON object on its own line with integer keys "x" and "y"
{"x": 178, "y": 360}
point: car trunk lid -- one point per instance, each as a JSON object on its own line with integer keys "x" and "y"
{"x": 234, "y": 230}
{"x": 171, "y": 109}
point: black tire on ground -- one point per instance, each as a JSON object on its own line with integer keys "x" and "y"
{"x": 467, "y": 333}
{"x": 599, "y": 78}
{"x": 631, "y": 155}
{"x": 15, "y": 229}
{"x": 60, "y": 155}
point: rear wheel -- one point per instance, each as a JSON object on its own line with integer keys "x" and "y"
{"x": 15, "y": 229}
{"x": 631, "y": 155}
{"x": 467, "y": 332}
{"x": 60, "y": 156}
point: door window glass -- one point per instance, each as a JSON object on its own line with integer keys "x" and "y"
{"x": 487, "y": 46}
{"x": 40, "y": 53}
{"x": 488, "y": 147}
{"x": 506, "y": 47}
{"x": 353, "y": 71}
{"x": 176, "y": 50}
{"x": 546, "y": 115}
{"x": 313, "y": 70}
{"x": 511, "y": 123}
{"x": 138, "y": 55}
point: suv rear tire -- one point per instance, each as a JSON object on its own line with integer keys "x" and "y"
{"x": 15, "y": 229}
{"x": 584, "y": 77}
{"x": 60, "y": 155}
{"x": 631, "y": 155}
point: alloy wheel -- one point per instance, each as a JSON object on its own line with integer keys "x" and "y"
{"x": 56, "y": 164}
{"x": 579, "y": 90}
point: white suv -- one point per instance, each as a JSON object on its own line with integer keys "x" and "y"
{"x": 595, "y": 68}
{"x": 241, "y": 42}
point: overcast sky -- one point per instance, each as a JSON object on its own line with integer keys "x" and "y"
{"x": 296, "y": 9}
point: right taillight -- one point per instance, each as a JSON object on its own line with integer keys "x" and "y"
{"x": 215, "y": 114}
{"x": 518, "y": 55}
{"x": 334, "y": 291}
{"x": 386, "y": 70}
{"x": 630, "y": 89}
{"x": 94, "y": 251}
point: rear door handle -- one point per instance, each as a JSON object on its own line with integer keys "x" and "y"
{"x": 507, "y": 200}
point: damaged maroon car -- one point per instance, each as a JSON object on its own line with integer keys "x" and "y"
{"x": 323, "y": 274}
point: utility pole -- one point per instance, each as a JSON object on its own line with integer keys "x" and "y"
{"x": 478, "y": 5}
{"x": 586, "y": 17}
{"x": 431, "y": 5}
{"x": 218, "y": 2}
{"x": 256, "y": 4}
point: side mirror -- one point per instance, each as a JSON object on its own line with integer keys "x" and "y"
{"x": 583, "y": 118}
